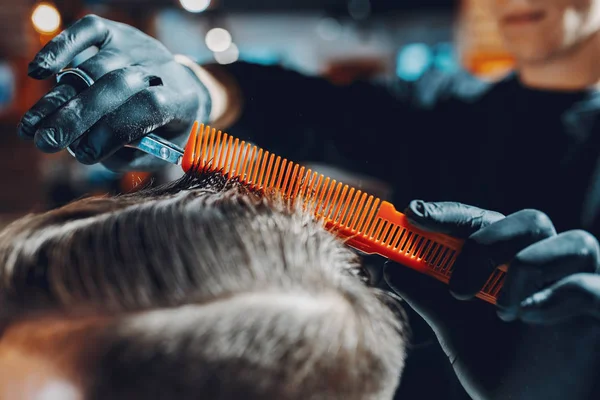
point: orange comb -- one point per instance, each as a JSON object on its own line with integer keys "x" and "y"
{"x": 365, "y": 222}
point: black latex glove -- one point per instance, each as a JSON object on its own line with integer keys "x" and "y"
{"x": 542, "y": 340}
{"x": 139, "y": 88}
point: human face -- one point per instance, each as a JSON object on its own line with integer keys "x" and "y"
{"x": 537, "y": 31}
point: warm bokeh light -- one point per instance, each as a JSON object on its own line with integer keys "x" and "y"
{"x": 46, "y": 18}
{"x": 228, "y": 56}
{"x": 218, "y": 40}
{"x": 195, "y": 6}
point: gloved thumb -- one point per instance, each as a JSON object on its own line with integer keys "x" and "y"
{"x": 451, "y": 218}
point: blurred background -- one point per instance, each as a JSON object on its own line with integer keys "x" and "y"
{"x": 342, "y": 40}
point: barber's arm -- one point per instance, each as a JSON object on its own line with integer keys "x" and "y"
{"x": 542, "y": 339}
{"x": 141, "y": 87}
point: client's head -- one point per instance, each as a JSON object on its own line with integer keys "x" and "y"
{"x": 198, "y": 289}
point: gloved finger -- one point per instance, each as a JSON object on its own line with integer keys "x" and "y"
{"x": 573, "y": 296}
{"x": 544, "y": 263}
{"x": 451, "y": 218}
{"x": 89, "y": 31}
{"x": 105, "y": 61}
{"x": 74, "y": 118}
{"x": 56, "y": 97}
{"x": 495, "y": 245}
{"x": 143, "y": 113}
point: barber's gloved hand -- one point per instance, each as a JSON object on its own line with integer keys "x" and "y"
{"x": 542, "y": 340}
{"x": 139, "y": 88}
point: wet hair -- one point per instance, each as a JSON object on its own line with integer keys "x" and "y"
{"x": 213, "y": 291}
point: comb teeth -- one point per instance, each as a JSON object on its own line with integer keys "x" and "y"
{"x": 216, "y": 151}
{"x": 368, "y": 223}
{"x": 326, "y": 198}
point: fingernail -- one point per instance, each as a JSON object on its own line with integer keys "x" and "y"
{"x": 528, "y": 302}
{"x": 418, "y": 208}
{"x": 34, "y": 70}
{"x": 505, "y": 314}
{"x": 536, "y": 299}
{"x": 461, "y": 294}
{"x": 24, "y": 131}
{"x": 46, "y": 140}
{"x": 505, "y": 317}
{"x": 85, "y": 155}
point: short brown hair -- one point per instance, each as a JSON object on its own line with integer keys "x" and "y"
{"x": 216, "y": 291}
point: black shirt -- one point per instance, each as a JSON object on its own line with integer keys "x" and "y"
{"x": 540, "y": 170}
{"x": 500, "y": 146}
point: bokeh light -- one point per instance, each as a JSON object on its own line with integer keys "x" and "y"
{"x": 228, "y": 56}
{"x": 46, "y": 18}
{"x": 218, "y": 40}
{"x": 195, "y": 6}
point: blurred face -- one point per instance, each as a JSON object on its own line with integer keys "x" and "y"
{"x": 538, "y": 30}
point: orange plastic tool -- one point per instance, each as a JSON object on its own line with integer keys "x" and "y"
{"x": 365, "y": 222}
